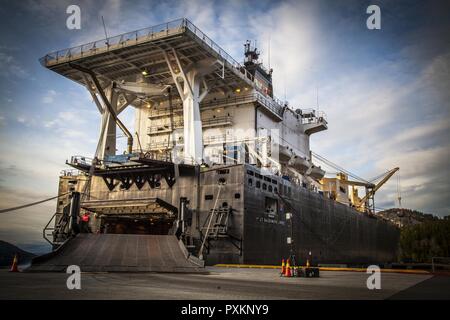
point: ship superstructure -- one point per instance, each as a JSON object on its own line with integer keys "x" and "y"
{"x": 216, "y": 159}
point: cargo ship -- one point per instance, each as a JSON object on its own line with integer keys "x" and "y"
{"x": 217, "y": 168}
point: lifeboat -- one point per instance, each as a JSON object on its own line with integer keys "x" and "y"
{"x": 300, "y": 164}
{"x": 284, "y": 154}
{"x": 316, "y": 173}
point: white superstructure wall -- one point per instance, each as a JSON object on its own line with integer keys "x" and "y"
{"x": 226, "y": 128}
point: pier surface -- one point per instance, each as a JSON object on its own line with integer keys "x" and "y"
{"x": 222, "y": 283}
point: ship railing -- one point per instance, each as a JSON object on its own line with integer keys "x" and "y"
{"x": 115, "y": 42}
{"x": 441, "y": 263}
{"x": 241, "y": 99}
{"x": 310, "y": 116}
{"x": 272, "y": 104}
{"x": 81, "y": 160}
{"x": 108, "y": 160}
{"x": 142, "y": 36}
{"x": 212, "y": 103}
{"x": 224, "y": 138}
{"x": 168, "y": 156}
{"x": 162, "y": 145}
{"x": 137, "y": 36}
{"x": 215, "y": 139}
{"x": 217, "y": 121}
{"x": 166, "y": 127}
{"x": 156, "y": 155}
{"x": 71, "y": 173}
{"x": 268, "y": 102}
{"x": 161, "y": 112}
{"x": 222, "y": 53}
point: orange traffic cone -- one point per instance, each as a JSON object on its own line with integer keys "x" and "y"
{"x": 288, "y": 269}
{"x": 14, "y": 265}
{"x": 283, "y": 267}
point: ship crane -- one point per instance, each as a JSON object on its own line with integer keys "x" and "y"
{"x": 364, "y": 204}
{"x": 368, "y": 201}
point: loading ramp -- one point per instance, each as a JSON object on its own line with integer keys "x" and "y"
{"x": 120, "y": 253}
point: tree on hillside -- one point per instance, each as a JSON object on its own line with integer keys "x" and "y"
{"x": 423, "y": 241}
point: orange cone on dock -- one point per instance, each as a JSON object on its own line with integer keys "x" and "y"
{"x": 288, "y": 269}
{"x": 14, "y": 267}
{"x": 283, "y": 267}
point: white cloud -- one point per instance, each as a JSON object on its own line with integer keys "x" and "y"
{"x": 10, "y": 67}
{"x": 49, "y": 96}
{"x": 293, "y": 32}
{"x": 379, "y": 120}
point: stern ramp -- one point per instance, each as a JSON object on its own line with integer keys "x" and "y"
{"x": 120, "y": 253}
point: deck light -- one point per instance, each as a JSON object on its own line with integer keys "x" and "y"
{"x": 203, "y": 164}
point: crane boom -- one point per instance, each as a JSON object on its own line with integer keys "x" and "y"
{"x": 377, "y": 186}
{"x": 359, "y": 184}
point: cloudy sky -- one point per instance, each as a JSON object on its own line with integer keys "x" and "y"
{"x": 386, "y": 92}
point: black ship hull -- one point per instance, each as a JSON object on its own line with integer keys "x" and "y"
{"x": 321, "y": 229}
{"x": 234, "y": 214}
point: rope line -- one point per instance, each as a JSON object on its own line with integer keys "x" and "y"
{"x": 31, "y": 204}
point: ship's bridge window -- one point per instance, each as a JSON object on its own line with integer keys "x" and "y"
{"x": 258, "y": 184}
{"x": 250, "y": 182}
{"x": 270, "y": 188}
{"x": 264, "y": 186}
{"x": 274, "y": 181}
{"x": 267, "y": 179}
{"x": 258, "y": 175}
{"x": 250, "y": 172}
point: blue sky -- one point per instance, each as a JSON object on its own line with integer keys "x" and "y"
{"x": 386, "y": 92}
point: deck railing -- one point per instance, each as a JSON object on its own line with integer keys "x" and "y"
{"x": 313, "y": 116}
{"x": 112, "y": 43}
{"x": 148, "y": 34}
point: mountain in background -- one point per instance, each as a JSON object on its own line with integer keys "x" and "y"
{"x": 7, "y": 252}
{"x": 406, "y": 217}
